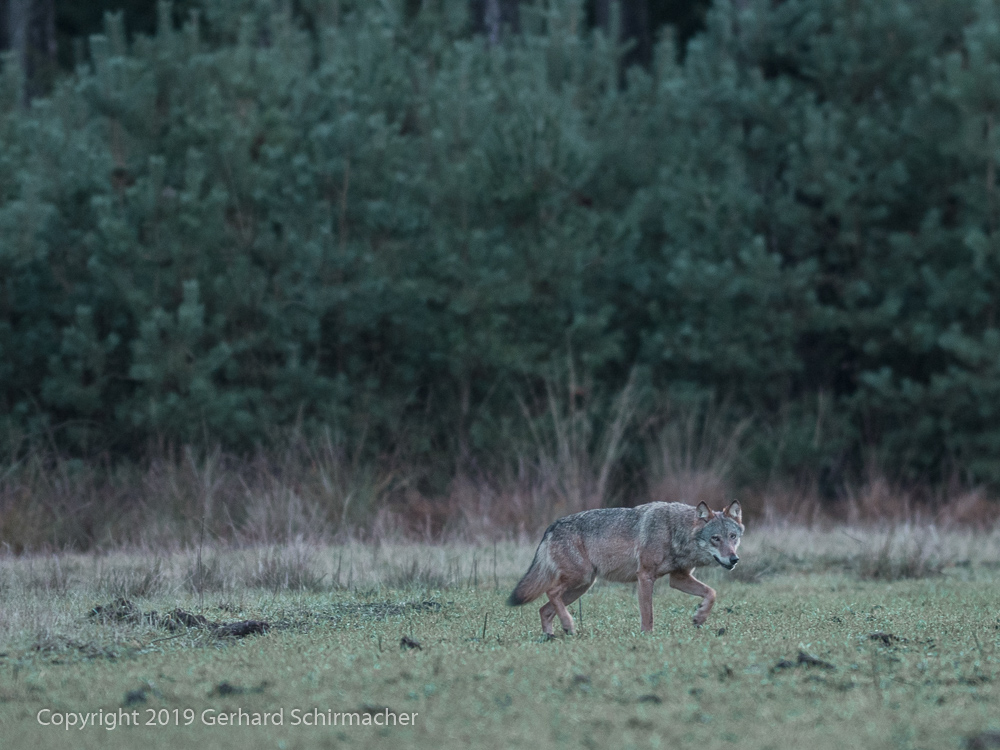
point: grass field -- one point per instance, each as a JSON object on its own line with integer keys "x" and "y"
{"x": 821, "y": 639}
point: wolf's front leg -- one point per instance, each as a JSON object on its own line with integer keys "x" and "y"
{"x": 684, "y": 581}
{"x": 646, "y": 600}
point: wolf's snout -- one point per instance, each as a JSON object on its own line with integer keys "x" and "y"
{"x": 731, "y": 562}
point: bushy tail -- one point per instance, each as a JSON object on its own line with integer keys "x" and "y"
{"x": 540, "y": 576}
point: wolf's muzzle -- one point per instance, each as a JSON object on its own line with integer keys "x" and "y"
{"x": 731, "y": 563}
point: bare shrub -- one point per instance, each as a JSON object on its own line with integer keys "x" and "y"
{"x": 781, "y": 505}
{"x": 877, "y": 500}
{"x": 903, "y": 553}
{"x": 575, "y": 449}
{"x": 311, "y": 490}
{"x": 352, "y": 493}
{"x": 286, "y": 567}
{"x": 205, "y": 574}
{"x": 567, "y": 464}
{"x": 518, "y": 498}
{"x": 23, "y": 524}
{"x": 968, "y": 507}
{"x": 568, "y": 453}
{"x": 181, "y": 496}
{"x": 137, "y": 580}
{"x": 183, "y": 493}
{"x": 278, "y": 514}
{"x": 692, "y": 456}
{"x": 47, "y": 575}
{"x": 414, "y": 575}
{"x": 49, "y": 502}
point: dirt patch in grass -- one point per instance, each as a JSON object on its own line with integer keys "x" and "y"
{"x": 804, "y": 660}
{"x": 124, "y": 610}
{"x": 226, "y": 688}
{"x": 340, "y": 614}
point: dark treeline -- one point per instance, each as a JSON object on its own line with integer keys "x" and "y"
{"x": 46, "y": 33}
{"x": 366, "y": 215}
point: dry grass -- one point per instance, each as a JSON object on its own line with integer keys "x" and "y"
{"x": 47, "y": 596}
{"x": 176, "y": 499}
{"x": 139, "y": 579}
{"x": 281, "y": 568}
{"x": 903, "y": 553}
{"x": 692, "y": 457}
{"x": 206, "y": 573}
{"x": 318, "y": 492}
{"x": 889, "y": 552}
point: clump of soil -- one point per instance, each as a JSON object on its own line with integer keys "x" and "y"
{"x": 804, "y": 660}
{"x": 124, "y": 610}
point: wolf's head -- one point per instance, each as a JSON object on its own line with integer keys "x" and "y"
{"x": 719, "y": 533}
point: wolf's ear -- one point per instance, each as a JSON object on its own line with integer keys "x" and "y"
{"x": 704, "y": 512}
{"x": 735, "y": 512}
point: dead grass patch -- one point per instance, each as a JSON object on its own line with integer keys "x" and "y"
{"x": 282, "y": 568}
{"x": 207, "y": 573}
{"x": 416, "y": 574}
{"x": 140, "y": 580}
{"x": 902, "y": 553}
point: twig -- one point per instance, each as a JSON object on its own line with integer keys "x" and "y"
{"x": 166, "y": 638}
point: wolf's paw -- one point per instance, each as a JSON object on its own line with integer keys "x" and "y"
{"x": 546, "y": 637}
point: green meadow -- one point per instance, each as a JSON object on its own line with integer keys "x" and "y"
{"x": 314, "y": 313}
{"x": 824, "y": 639}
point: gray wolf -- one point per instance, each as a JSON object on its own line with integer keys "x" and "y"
{"x": 627, "y": 545}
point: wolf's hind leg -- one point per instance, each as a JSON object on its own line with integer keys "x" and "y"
{"x": 645, "y": 592}
{"x": 559, "y": 604}
{"x": 564, "y": 616}
{"x": 548, "y": 611}
{"x": 684, "y": 581}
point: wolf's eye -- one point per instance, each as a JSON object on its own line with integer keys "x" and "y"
{"x": 716, "y": 539}
{"x": 732, "y": 536}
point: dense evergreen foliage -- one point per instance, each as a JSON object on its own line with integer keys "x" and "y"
{"x": 377, "y": 221}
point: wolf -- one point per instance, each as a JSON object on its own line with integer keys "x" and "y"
{"x": 627, "y": 545}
